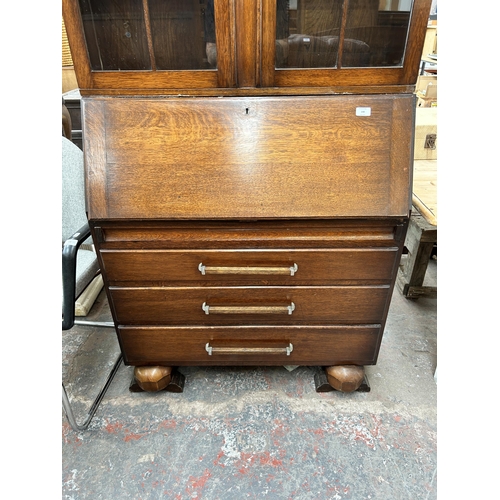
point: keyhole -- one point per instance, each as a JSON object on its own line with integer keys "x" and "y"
{"x": 246, "y": 111}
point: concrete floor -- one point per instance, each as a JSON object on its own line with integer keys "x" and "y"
{"x": 258, "y": 432}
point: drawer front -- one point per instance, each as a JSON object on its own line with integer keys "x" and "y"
{"x": 249, "y": 305}
{"x": 288, "y": 267}
{"x": 248, "y": 234}
{"x": 313, "y": 346}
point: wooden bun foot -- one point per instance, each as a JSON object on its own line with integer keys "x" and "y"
{"x": 152, "y": 378}
{"x": 345, "y": 378}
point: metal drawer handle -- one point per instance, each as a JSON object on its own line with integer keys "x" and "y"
{"x": 285, "y": 270}
{"x": 248, "y": 350}
{"x": 248, "y": 309}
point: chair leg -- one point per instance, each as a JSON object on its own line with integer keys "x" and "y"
{"x": 69, "y": 411}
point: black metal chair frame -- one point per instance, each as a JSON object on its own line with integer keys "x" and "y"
{"x": 69, "y": 256}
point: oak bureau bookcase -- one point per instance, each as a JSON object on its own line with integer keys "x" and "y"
{"x": 248, "y": 176}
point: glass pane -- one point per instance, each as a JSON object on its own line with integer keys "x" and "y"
{"x": 307, "y": 33}
{"x": 183, "y": 34}
{"x": 381, "y": 27}
{"x": 116, "y": 34}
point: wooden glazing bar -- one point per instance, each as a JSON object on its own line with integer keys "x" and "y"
{"x": 147, "y": 21}
{"x": 77, "y": 43}
{"x": 224, "y": 39}
{"x": 416, "y": 38}
{"x": 246, "y": 42}
{"x": 340, "y": 49}
{"x": 268, "y": 24}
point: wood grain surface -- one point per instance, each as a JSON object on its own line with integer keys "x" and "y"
{"x": 312, "y": 345}
{"x": 251, "y": 158}
{"x": 183, "y": 305}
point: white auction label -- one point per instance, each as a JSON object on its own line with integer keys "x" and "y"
{"x": 363, "y": 111}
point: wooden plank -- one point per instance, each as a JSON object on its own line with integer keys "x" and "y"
{"x": 86, "y": 300}
{"x": 415, "y": 292}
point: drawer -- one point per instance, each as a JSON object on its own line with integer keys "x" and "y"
{"x": 309, "y": 345}
{"x": 249, "y": 234}
{"x": 249, "y": 305}
{"x": 286, "y": 267}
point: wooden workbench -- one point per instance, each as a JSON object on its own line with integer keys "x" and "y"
{"x": 422, "y": 232}
{"x": 424, "y": 197}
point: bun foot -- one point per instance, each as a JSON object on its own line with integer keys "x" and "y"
{"x": 153, "y": 378}
{"x": 345, "y": 378}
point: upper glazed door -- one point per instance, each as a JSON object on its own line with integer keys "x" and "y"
{"x": 170, "y": 46}
{"x": 151, "y": 44}
{"x": 317, "y": 43}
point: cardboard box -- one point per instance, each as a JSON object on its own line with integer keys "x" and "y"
{"x": 430, "y": 42}
{"x": 426, "y": 133}
{"x": 428, "y": 98}
{"x": 426, "y": 90}
{"x": 423, "y": 81}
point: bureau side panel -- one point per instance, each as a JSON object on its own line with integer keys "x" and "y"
{"x": 94, "y": 146}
